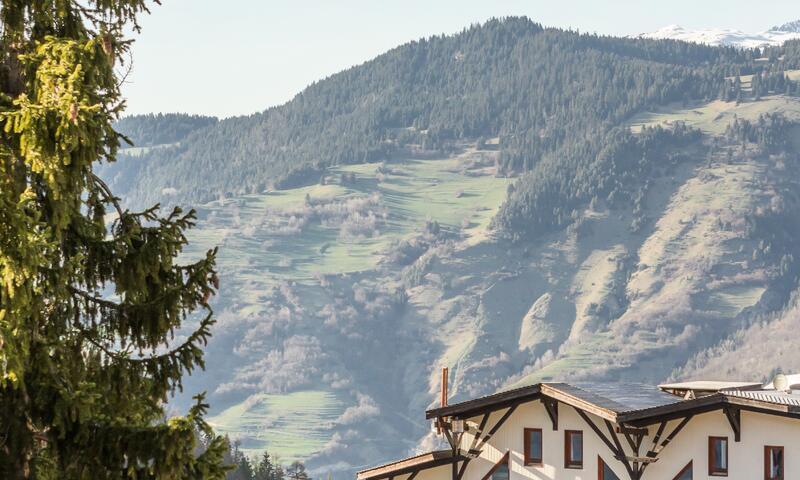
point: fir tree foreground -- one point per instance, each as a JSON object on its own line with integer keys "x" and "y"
{"x": 88, "y": 312}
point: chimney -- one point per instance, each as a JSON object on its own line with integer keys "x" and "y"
{"x": 444, "y": 386}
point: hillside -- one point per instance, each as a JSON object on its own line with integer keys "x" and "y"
{"x": 626, "y": 211}
{"x": 536, "y": 89}
{"x": 341, "y": 300}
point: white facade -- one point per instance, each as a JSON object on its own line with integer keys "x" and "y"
{"x": 672, "y": 439}
{"x": 746, "y": 458}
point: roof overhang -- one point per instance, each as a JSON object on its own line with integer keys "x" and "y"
{"x": 490, "y": 403}
{"x": 707, "y": 387}
{"x": 716, "y": 401}
{"x": 409, "y": 465}
{"x": 607, "y": 409}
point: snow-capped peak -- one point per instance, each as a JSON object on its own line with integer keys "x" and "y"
{"x": 723, "y": 36}
{"x": 793, "y": 27}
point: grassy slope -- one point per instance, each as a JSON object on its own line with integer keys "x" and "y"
{"x": 287, "y": 425}
{"x": 685, "y": 263}
{"x": 609, "y": 292}
{"x": 459, "y": 192}
{"x": 415, "y": 191}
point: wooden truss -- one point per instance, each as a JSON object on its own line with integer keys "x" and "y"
{"x": 480, "y": 439}
{"x": 635, "y": 463}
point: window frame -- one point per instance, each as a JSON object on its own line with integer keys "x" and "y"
{"x": 505, "y": 460}
{"x": 712, "y": 470}
{"x": 600, "y": 470}
{"x": 568, "y": 463}
{"x": 684, "y": 469}
{"x": 767, "y": 458}
{"x": 529, "y": 461}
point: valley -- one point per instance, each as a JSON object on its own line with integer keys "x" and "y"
{"x": 369, "y": 280}
{"x": 517, "y": 203}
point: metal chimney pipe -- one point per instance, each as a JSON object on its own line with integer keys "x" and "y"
{"x": 444, "y": 386}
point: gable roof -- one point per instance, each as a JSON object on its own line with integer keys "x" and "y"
{"x": 409, "y": 465}
{"x": 492, "y": 402}
{"x": 633, "y": 403}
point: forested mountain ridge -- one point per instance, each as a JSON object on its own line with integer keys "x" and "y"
{"x": 517, "y": 203}
{"x": 532, "y": 87}
{"x": 161, "y": 128}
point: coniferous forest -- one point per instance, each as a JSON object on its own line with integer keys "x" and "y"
{"x": 545, "y": 93}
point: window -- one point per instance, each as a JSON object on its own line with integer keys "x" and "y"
{"x": 604, "y": 472}
{"x": 686, "y": 473}
{"x": 718, "y": 456}
{"x": 499, "y": 471}
{"x": 573, "y": 449}
{"x": 533, "y": 446}
{"x": 773, "y": 463}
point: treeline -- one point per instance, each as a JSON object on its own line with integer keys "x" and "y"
{"x": 536, "y": 89}
{"x": 770, "y": 132}
{"x": 770, "y": 81}
{"x": 161, "y": 128}
{"x": 607, "y": 166}
{"x": 555, "y": 99}
{"x": 267, "y": 467}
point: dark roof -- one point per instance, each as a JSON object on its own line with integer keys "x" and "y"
{"x": 409, "y": 465}
{"x": 637, "y": 403}
{"x": 629, "y": 396}
{"x": 492, "y": 402}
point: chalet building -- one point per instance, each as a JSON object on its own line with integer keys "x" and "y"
{"x": 611, "y": 431}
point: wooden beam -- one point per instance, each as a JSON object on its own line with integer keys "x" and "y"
{"x": 492, "y": 403}
{"x": 474, "y": 444}
{"x": 449, "y": 437}
{"x": 477, "y": 445}
{"x": 597, "y": 431}
{"x": 631, "y": 442}
{"x": 479, "y": 432}
{"x": 657, "y": 438}
{"x": 408, "y": 465}
{"x": 675, "y": 432}
{"x": 632, "y": 469}
{"x": 615, "y": 447}
{"x": 632, "y": 430}
{"x": 657, "y": 448}
{"x": 641, "y": 459}
{"x": 497, "y": 426}
{"x": 551, "y": 406}
{"x": 412, "y": 476}
{"x": 734, "y": 416}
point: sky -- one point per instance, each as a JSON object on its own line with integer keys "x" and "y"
{"x": 238, "y": 57}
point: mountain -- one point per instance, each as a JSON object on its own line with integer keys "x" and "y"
{"x": 775, "y": 36}
{"x": 532, "y": 87}
{"x": 789, "y": 27}
{"x": 518, "y": 203}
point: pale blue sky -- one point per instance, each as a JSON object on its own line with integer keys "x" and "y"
{"x": 234, "y": 57}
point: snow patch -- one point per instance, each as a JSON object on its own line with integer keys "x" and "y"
{"x": 728, "y": 37}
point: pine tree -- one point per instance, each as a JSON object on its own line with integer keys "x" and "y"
{"x": 297, "y": 471}
{"x": 264, "y": 469}
{"x": 243, "y": 469}
{"x": 278, "y": 473}
{"x": 88, "y": 310}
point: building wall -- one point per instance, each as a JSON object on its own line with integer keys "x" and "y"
{"x": 510, "y": 438}
{"x": 746, "y": 458}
